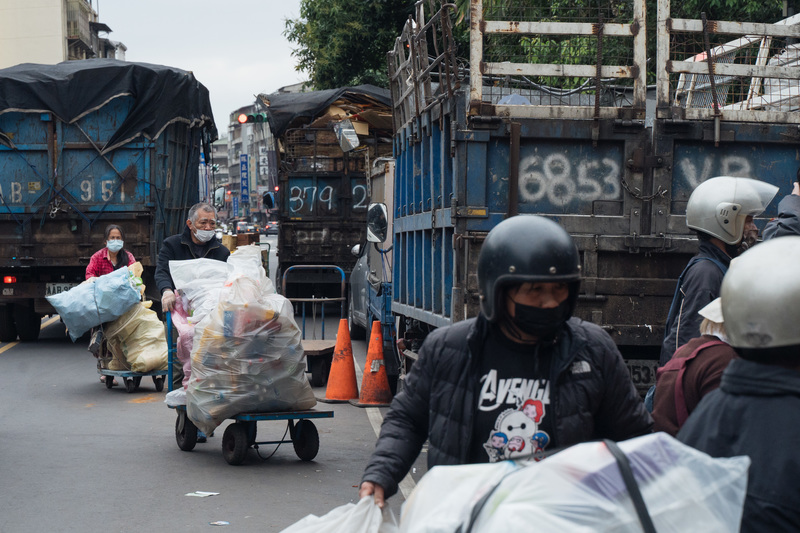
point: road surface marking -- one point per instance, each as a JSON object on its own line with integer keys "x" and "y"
{"x": 8, "y": 346}
{"x": 12, "y": 344}
{"x": 52, "y": 320}
{"x": 150, "y": 398}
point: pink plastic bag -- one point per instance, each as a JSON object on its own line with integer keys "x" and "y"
{"x": 185, "y": 338}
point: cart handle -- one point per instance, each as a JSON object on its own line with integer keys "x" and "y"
{"x": 169, "y": 349}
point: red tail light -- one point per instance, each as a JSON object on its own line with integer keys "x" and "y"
{"x": 9, "y": 279}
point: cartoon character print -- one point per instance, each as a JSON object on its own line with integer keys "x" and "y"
{"x": 534, "y": 409}
{"x": 496, "y": 446}
{"x": 515, "y": 433}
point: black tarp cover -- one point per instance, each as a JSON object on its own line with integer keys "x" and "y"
{"x": 70, "y": 90}
{"x": 285, "y": 109}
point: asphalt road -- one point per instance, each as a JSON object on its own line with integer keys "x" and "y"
{"x": 79, "y": 457}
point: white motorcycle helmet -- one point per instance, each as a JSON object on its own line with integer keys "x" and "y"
{"x": 719, "y": 206}
{"x": 761, "y": 296}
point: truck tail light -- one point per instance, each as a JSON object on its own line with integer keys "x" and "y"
{"x": 9, "y": 279}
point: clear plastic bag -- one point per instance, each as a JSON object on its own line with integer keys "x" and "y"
{"x": 581, "y": 490}
{"x": 363, "y": 517}
{"x": 247, "y": 356}
{"x": 201, "y": 281}
{"x": 96, "y": 301}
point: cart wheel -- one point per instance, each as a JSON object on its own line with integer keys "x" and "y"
{"x": 137, "y": 381}
{"x": 306, "y": 440}
{"x": 130, "y": 385}
{"x": 319, "y": 371}
{"x": 185, "y": 432}
{"x": 235, "y": 444}
{"x": 109, "y": 382}
{"x": 158, "y": 381}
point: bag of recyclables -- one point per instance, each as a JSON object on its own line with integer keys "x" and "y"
{"x": 199, "y": 283}
{"x": 247, "y": 354}
{"x": 138, "y": 337}
{"x": 362, "y": 517}
{"x": 95, "y": 301}
{"x": 581, "y": 490}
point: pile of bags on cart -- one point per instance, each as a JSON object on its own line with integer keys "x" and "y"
{"x": 580, "y": 489}
{"x": 134, "y": 335}
{"x": 238, "y": 341}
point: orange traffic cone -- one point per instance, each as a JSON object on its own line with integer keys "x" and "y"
{"x": 375, "y": 390}
{"x": 342, "y": 384}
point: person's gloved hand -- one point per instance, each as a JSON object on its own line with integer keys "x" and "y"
{"x": 167, "y": 300}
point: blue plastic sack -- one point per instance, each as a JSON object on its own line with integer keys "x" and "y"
{"x": 90, "y": 304}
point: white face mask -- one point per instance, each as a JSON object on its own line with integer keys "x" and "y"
{"x": 114, "y": 246}
{"x": 204, "y": 235}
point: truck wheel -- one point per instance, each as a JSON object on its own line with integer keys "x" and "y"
{"x": 29, "y": 322}
{"x": 8, "y": 330}
{"x": 357, "y": 333}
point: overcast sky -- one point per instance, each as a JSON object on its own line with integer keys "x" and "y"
{"x": 235, "y": 48}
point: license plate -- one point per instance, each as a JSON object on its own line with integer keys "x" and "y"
{"x": 58, "y": 288}
{"x": 643, "y": 372}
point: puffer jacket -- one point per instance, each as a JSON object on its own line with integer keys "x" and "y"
{"x": 700, "y": 287}
{"x": 754, "y": 412}
{"x": 591, "y": 396}
{"x": 177, "y": 248}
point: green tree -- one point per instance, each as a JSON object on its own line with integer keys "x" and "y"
{"x": 344, "y": 42}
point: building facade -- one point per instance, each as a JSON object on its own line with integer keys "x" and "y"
{"x": 52, "y": 31}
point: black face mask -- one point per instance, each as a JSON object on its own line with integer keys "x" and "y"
{"x": 541, "y": 323}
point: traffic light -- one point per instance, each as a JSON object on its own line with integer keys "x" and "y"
{"x": 244, "y": 118}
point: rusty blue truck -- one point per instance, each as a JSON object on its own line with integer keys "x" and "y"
{"x": 572, "y": 115}
{"x": 322, "y": 193}
{"x": 84, "y": 144}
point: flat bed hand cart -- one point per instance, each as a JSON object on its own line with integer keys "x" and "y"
{"x": 240, "y": 436}
{"x": 131, "y": 379}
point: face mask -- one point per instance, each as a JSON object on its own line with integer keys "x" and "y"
{"x": 204, "y": 235}
{"x": 541, "y": 323}
{"x": 114, "y": 246}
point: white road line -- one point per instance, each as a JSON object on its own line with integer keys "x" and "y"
{"x": 12, "y": 344}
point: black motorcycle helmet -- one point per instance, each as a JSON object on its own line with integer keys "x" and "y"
{"x": 526, "y": 248}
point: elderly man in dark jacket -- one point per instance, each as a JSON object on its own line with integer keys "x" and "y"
{"x": 517, "y": 381}
{"x": 197, "y": 240}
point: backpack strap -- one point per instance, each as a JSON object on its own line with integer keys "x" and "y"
{"x": 673, "y": 308}
{"x": 679, "y": 364}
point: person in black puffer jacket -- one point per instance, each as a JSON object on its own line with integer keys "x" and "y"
{"x": 755, "y": 410}
{"x": 520, "y": 379}
{"x": 197, "y": 240}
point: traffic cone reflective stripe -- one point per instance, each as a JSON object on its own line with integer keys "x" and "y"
{"x": 342, "y": 383}
{"x": 375, "y": 390}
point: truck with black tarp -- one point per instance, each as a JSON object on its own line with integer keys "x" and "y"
{"x": 84, "y": 144}
{"x": 325, "y": 142}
